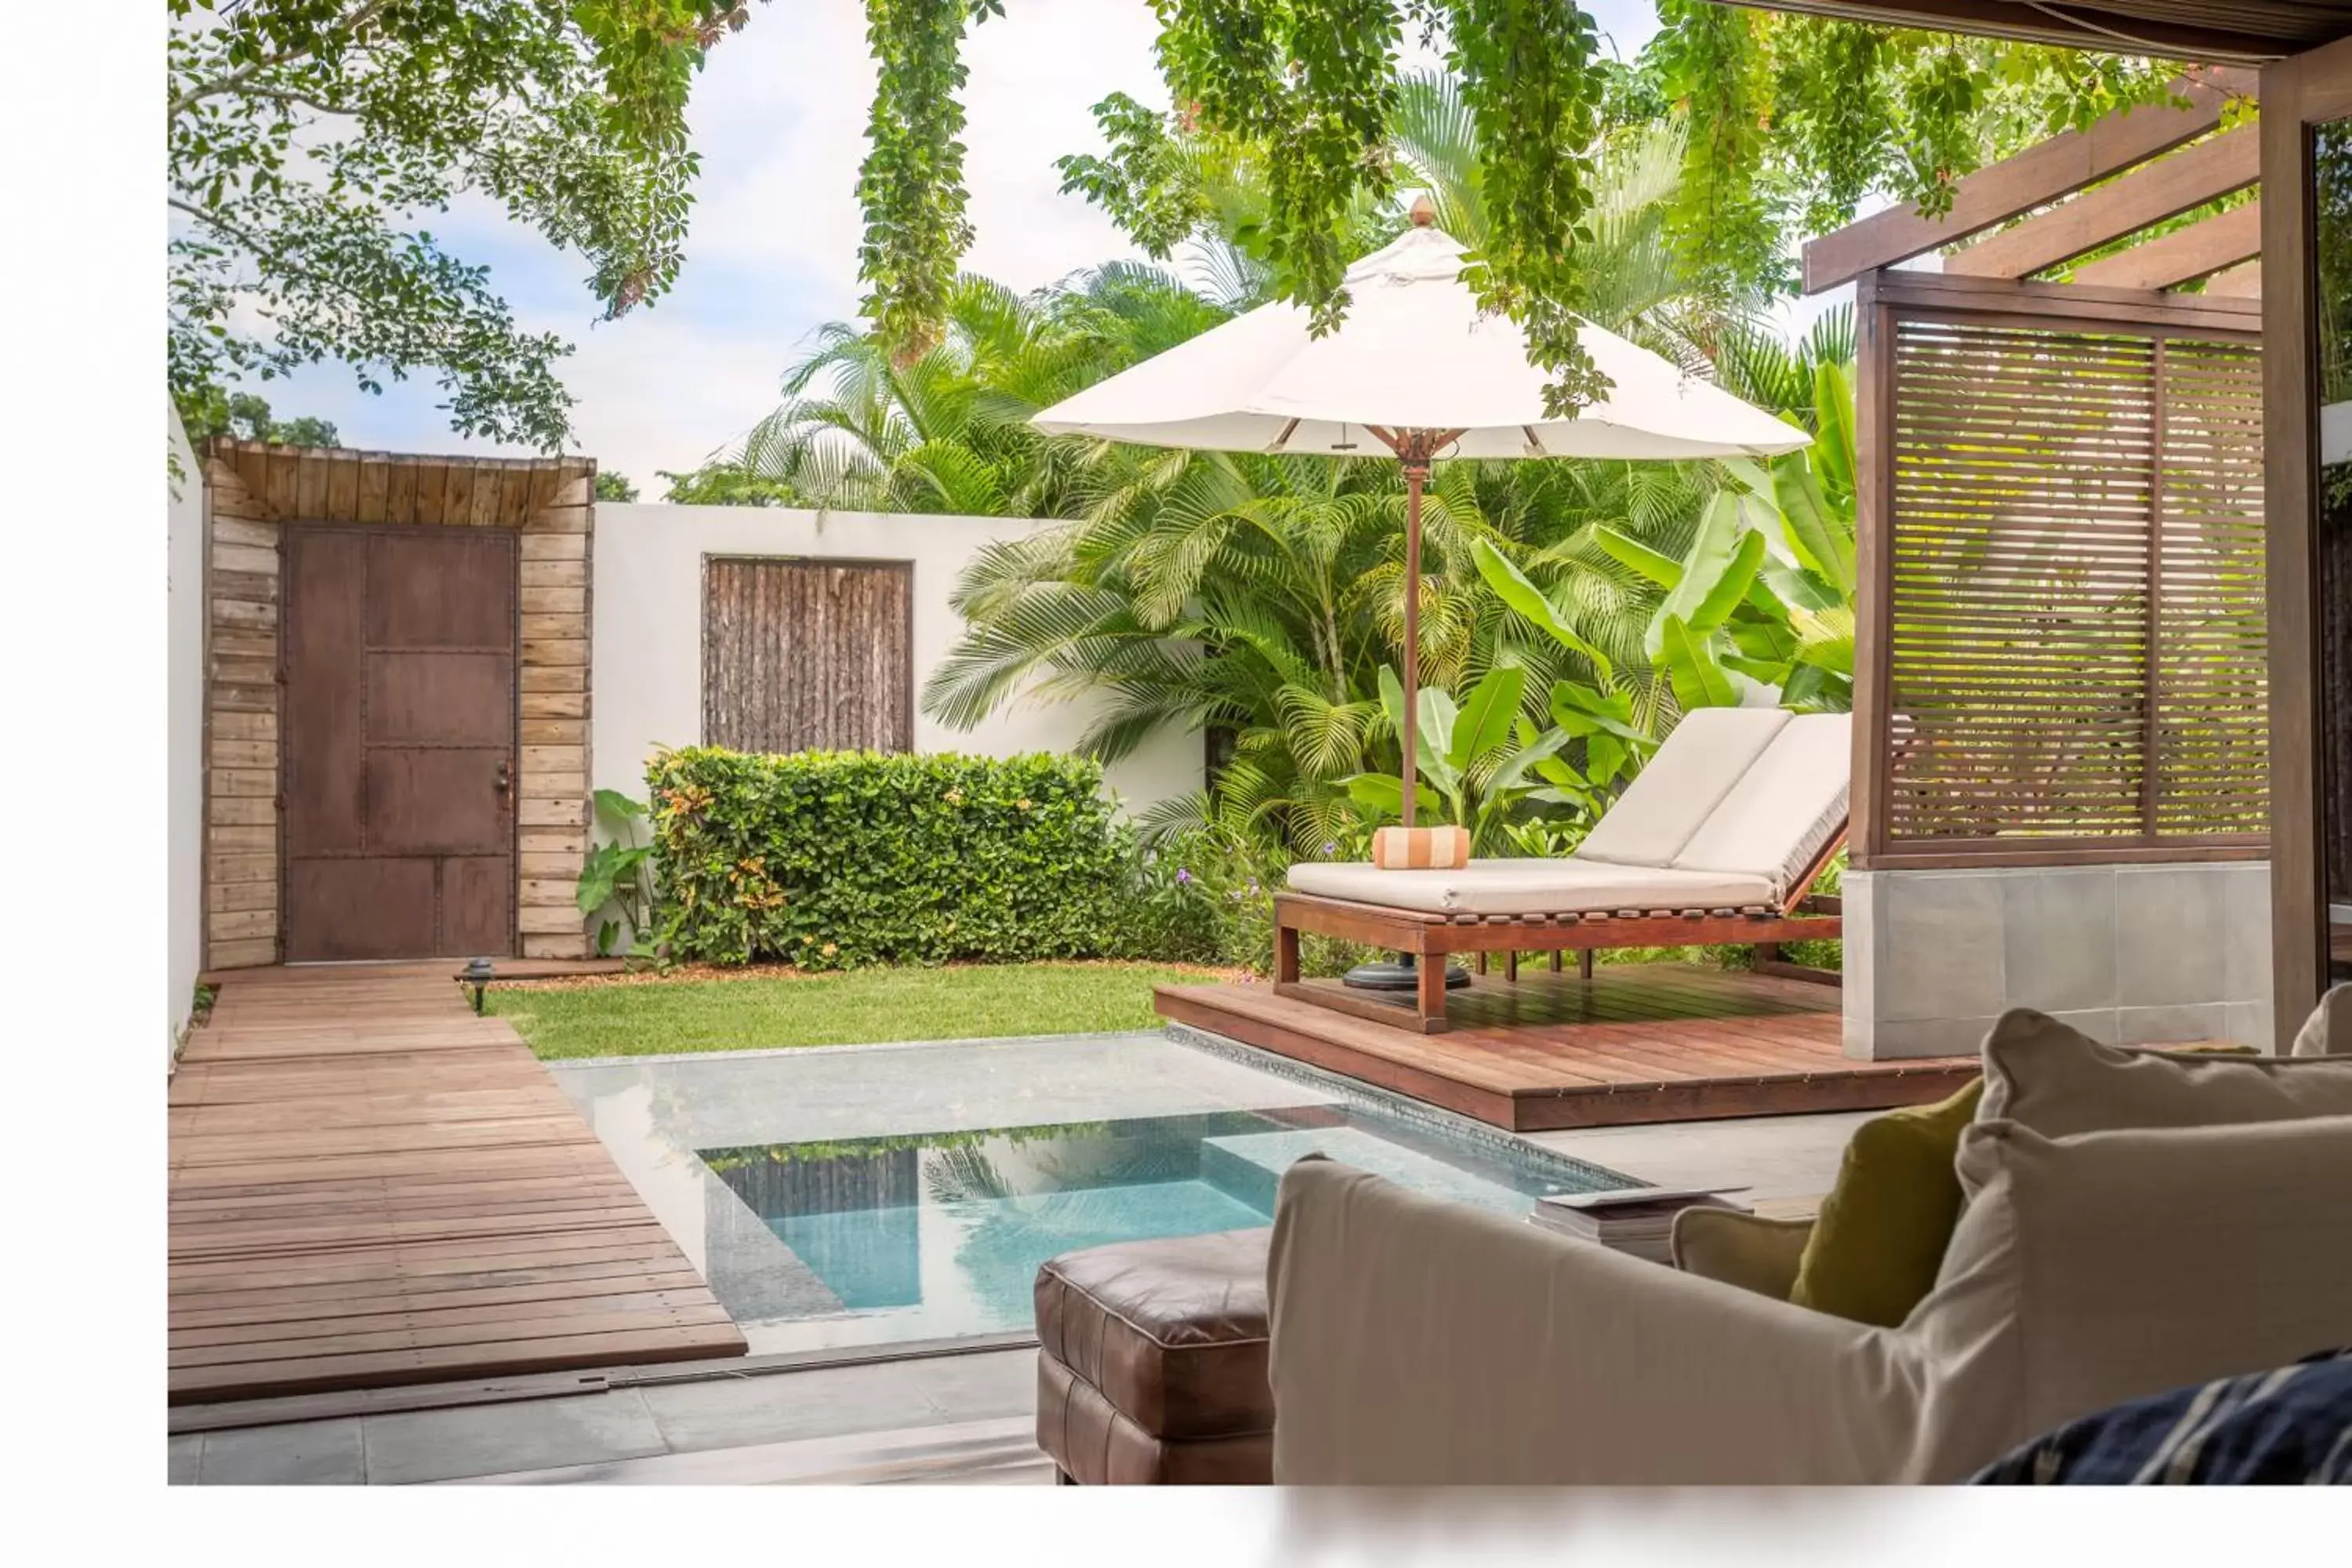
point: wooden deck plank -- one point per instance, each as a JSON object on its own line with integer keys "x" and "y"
{"x": 1638, "y": 1043}
{"x": 371, "y": 1186}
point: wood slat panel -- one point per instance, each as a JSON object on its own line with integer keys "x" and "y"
{"x": 2074, "y": 629}
{"x": 370, "y": 1185}
{"x": 808, "y": 655}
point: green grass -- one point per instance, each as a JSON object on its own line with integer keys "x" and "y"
{"x": 853, "y": 1008}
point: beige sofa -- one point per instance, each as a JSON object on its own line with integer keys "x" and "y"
{"x": 1418, "y": 1341}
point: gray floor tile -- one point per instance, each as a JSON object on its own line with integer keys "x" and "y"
{"x": 720, "y": 1413}
{"x": 487, "y": 1439}
{"x": 982, "y": 1386}
{"x": 1775, "y": 1156}
{"x": 185, "y": 1450}
{"x": 308, "y": 1453}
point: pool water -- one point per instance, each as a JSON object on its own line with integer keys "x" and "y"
{"x": 940, "y": 1236}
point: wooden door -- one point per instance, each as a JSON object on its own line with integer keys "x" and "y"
{"x": 400, "y": 652}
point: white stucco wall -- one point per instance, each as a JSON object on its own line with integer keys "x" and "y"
{"x": 647, "y": 631}
{"x": 184, "y": 773}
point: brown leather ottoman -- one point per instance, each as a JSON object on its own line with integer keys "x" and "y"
{"x": 1151, "y": 1362}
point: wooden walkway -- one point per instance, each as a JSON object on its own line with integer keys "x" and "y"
{"x": 371, "y": 1186}
{"x": 1638, "y": 1043}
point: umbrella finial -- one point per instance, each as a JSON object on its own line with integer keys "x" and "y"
{"x": 1424, "y": 211}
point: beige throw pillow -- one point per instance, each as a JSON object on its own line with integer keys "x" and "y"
{"x": 2095, "y": 1269}
{"x": 2059, "y": 1083}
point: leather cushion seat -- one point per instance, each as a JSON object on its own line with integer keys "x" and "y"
{"x": 1152, "y": 1361}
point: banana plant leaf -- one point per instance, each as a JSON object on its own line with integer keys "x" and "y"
{"x": 1511, "y": 585}
{"x": 1699, "y": 681}
{"x": 1383, "y": 796}
{"x": 1484, "y": 721}
{"x": 1821, "y": 544}
{"x": 1655, "y": 565}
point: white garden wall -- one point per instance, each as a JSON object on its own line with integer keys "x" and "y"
{"x": 647, "y": 630}
{"x": 183, "y": 777}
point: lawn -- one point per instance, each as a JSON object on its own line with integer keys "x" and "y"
{"x": 645, "y": 1016}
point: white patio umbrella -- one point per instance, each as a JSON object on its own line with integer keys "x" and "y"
{"x": 1421, "y": 369}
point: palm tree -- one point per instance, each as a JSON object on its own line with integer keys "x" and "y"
{"x": 950, "y": 432}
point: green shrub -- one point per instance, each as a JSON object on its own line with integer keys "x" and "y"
{"x": 827, "y": 860}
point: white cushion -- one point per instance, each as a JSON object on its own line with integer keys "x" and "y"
{"x": 1789, "y": 804}
{"x": 1529, "y": 887}
{"x": 2328, "y": 1030}
{"x": 1686, "y": 779}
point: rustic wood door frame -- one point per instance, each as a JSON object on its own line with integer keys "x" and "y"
{"x": 2297, "y": 94}
{"x": 253, "y": 492}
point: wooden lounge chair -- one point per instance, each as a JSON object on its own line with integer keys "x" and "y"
{"x": 1719, "y": 839}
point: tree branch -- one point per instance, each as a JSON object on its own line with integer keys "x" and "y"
{"x": 232, "y": 81}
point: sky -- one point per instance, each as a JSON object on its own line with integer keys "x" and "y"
{"x": 779, "y": 116}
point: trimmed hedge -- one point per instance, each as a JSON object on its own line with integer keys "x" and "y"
{"x": 827, "y": 860}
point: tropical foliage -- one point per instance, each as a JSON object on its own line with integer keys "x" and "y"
{"x": 1789, "y": 118}
{"x": 308, "y": 139}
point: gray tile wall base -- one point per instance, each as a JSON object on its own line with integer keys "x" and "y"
{"x": 2142, "y": 955}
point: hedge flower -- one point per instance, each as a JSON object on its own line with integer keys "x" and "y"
{"x": 829, "y": 949}
{"x": 1183, "y": 877}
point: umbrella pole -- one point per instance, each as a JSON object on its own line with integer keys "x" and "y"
{"x": 1415, "y": 472}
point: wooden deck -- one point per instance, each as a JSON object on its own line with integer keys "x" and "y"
{"x": 1638, "y": 1043}
{"x": 371, "y": 1186}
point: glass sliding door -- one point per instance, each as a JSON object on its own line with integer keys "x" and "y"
{"x": 2331, "y": 603}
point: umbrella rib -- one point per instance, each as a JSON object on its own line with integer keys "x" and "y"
{"x": 1283, "y": 440}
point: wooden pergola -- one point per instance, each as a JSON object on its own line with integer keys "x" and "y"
{"x": 2061, "y": 636}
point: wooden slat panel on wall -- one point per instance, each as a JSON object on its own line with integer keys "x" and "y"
{"x": 2076, "y": 636}
{"x": 808, "y": 655}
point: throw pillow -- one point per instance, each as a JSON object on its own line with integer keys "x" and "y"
{"x": 2328, "y": 1030}
{"x": 1880, "y": 1237}
{"x": 2094, "y": 1269}
{"x": 2059, "y": 1083}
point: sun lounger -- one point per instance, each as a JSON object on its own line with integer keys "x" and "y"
{"x": 1718, "y": 840}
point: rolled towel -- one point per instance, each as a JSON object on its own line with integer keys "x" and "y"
{"x": 1420, "y": 848}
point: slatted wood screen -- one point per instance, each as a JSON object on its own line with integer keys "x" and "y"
{"x": 808, "y": 655}
{"x": 2076, "y": 636}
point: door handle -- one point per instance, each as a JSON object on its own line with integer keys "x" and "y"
{"x": 506, "y": 776}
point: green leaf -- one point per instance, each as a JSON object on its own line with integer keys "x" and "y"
{"x": 1655, "y": 565}
{"x": 1439, "y": 717}
{"x": 1832, "y": 455}
{"x": 1486, "y": 720}
{"x": 1605, "y": 757}
{"x": 1730, "y": 588}
{"x": 1511, "y": 585}
{"x": 1825, "y": 639}
{"x": 1797, "y": 589}
{"x": 617, "y": 807}
{"x": 1514, "y": 769}
{"x": 1814, "y": 534}
{"x": 1383, "y": 796}
{"x": 1392, "y": 698}
{"x": 1581, "y": 710}
{"x": 1698, "y": 680}
{"x": 1703, "y": 564}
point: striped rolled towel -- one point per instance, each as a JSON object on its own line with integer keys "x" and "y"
{"x": 1420, "y": 848}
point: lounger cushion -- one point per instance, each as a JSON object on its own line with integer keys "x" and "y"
{"x": 1789, "y": 804}
{"x": 1532, "y": 887}
{"x": 1690, "y": 775}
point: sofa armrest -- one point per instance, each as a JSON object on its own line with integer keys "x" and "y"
{"x": 1418, "y": 1341}
{"x": 1735, "y": 1248}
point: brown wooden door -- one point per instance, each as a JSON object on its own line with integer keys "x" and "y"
{"x": 400, "y": 742}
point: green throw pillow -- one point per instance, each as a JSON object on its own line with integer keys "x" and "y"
{"x": 1881, "y": 1231}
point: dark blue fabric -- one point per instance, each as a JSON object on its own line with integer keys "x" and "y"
{"x": 2291, "y": 1426}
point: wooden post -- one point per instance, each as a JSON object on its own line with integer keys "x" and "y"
{"x": 1286, "y": 954}
{"x": 1429, "y": 996}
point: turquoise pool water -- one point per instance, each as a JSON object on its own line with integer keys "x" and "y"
{"x": 941, "y": 1236}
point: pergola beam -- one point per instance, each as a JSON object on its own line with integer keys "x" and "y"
{"x": 2246, "y": 34}
{"x": 2148, "y": 194}
{"x": 2244, "y": 281}
{"x": 2169, "y": 260}
{"x": 2041, "y": 174}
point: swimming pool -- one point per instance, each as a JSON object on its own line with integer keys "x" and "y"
{"x": 880, "y": 1195}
